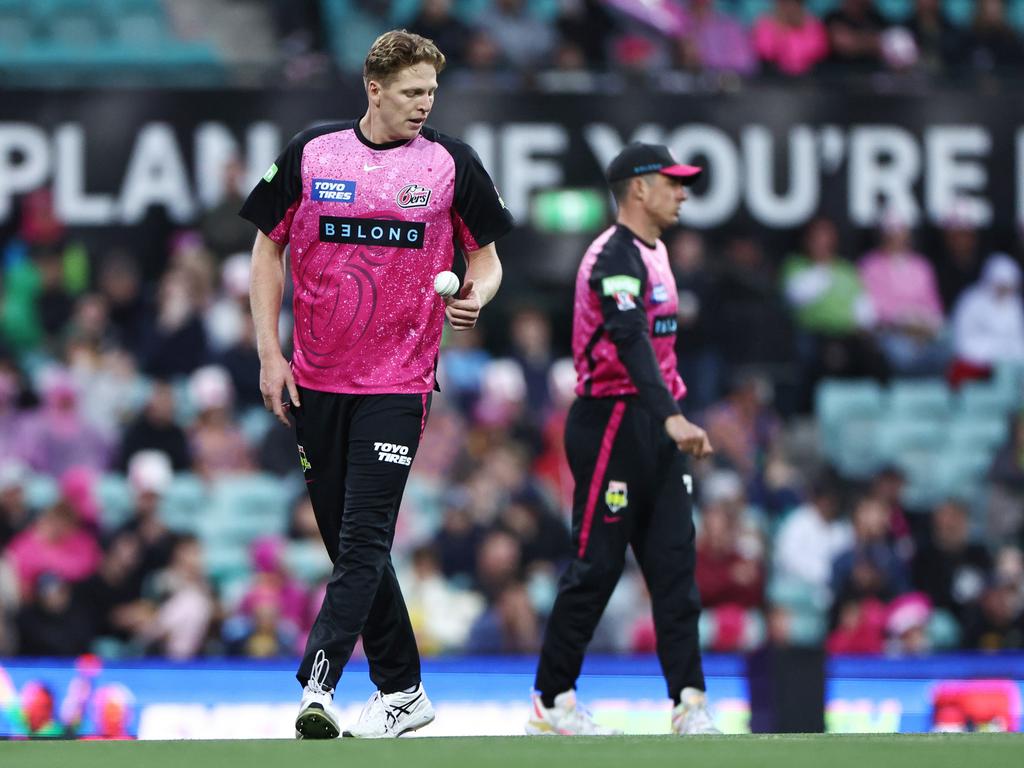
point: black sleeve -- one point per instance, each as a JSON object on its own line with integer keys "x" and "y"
{"x": 281, "y": 186}
{"x": 476, "y": 200}
{"x": 619, "y": 279}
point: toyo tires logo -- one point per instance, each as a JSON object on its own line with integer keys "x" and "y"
{"x": 413, "y": 196}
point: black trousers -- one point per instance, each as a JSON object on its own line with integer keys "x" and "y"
{"x": 631, "y": 490}
{"x": 356, "y": 452}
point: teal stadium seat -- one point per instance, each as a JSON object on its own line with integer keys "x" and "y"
{"x": 919, "y": 398}
{"x": 895, "y": 10}
{"x": 960, "y": 12}
{"x": 901, "y": 438}
{"x": 848, "y": 413}
{"x": 308, "y": 561}
{"x": 978, "y": 432}
{"x": 225, "y": 562}
{"x": 943, "y": 630}
{"x": 245, "y": 507}
{"x": 979, "y": 399}
{"x": 41, "y": 491}
{"x": 116, "y": 499}
{"x": 183, "y": 503}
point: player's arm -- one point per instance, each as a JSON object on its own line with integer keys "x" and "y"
{"x": 483, "y": 276}
{"x": 271, "y": 206}
{"x": 620, "y": 283}
{"x": 479, "y": 218}
{"x": 266, "y": 289}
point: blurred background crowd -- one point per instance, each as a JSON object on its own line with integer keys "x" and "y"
{"x": 867, "y": 492}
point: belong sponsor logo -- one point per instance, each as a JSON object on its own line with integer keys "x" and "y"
{"x": 332, "y": 191}
{"x": 386, "y": 232}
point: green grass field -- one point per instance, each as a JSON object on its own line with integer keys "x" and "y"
{"x": 799, "y": 751}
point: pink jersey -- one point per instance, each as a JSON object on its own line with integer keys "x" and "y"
{"x": 369, "y": 226}
{"x": 624, "y": 283}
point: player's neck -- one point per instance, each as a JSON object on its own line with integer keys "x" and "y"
{"x": 373, "y": 131}
{"x": 640, "y": 225}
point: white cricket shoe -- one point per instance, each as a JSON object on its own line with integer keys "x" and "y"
{"x": 690, "y": 717}
{"x": 566, "y": 718}
{"x": 389, "y": 715}
{"x": 316, "y": 718}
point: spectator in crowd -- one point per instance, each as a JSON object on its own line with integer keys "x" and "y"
{"x": 991, "y": 46}
{"x": 437, "y": 22}
{"x": 458, "y": 539}
{"x": 523, "y": 41}
{"x": 14, "y": 511}
{"x": 463, "y": 360}
{"x": 812, "y": 537}
{"x": 224, "y": 231}
{"x": 120, "y": 284}
{"x": 937, "y": 38}
{"x": 988, "y": 322}
{"x": 11, "y": 417}
{"x": 755, "y": 327}
{"x": 697, "y": 348}
{"x": 530, "y": 332}
{"x": 854, "y": 35}
{"x": 725, "y": 575}
{"x": 790, "y": 40}
{"x": 498, "y": 563}
{"x": 217, "y": 445}
{"x": 950, "y": 569}
{"x": 542, "y": 536}
{"x": 904, "y": 294}
{"x": 1006, "y": 503}
{"x": 958, "y": 265}
{"x": 58, "y": 542}
{"x": 871, "y": 567}
{"x": 175, "y": 340}
{"x": 586, "y": 25}
{"x": 54, "y": 621}
{"x": 261, "y": 630}
{"x": 906, "y": 625}
{"x": 510, "y": 625}
{"x": 887, "y": 487}
{"x": 744, "y": 427}
{"x": 149, "y": 476}
{"x": 712, "y": 41}
{"x": 832, "y": 310}
{"x": 442, "y": 614}
{"x": 56, "y": 437}
{"x": 54, "y": 302}
{"x": 155, "y": 429}
{"x": 272, "y": 578}
{"x": 997, "y": 624}
{"x": 112, "y": 593}
{"x": 177, "y": 620}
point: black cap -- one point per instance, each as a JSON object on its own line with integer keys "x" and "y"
{"x": 636, "y": 159}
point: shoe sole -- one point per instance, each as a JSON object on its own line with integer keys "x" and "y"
{"x": 315, "y": 724}
{"x": 409, "y": 729}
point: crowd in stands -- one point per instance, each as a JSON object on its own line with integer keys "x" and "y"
{"x": 108, "y": 376}
{"x": 719, "y": 42}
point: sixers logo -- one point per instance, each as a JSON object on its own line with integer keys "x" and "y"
{"x": 413, "y": 196}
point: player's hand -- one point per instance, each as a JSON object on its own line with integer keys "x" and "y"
{"x": 463, "y": 312}
{"x": 275, "y": 377}
{"x": 688, "y": 437}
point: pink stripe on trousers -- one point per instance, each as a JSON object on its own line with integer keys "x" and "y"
{"x": 597, "y": 480}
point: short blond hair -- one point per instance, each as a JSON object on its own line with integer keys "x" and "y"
{"x": 395, "y": 50}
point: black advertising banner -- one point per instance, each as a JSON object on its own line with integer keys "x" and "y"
{"x": 116, "y": 159}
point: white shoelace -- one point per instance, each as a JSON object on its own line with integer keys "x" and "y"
{"x": 318, "y": 675}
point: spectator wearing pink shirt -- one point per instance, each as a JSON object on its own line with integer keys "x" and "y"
{"x": 59, "y": 542}
{"x": 904, "y": 295}
{"x": 714, "y": 41}
{"x": 790, "y": 39}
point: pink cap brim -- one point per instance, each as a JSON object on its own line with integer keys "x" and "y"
{"x": 688, "y": 172}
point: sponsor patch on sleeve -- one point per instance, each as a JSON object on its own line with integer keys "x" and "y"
{"x": 271, "y": 173}
{"x": 624, "y": 301}
{"x": 616, "y": 284}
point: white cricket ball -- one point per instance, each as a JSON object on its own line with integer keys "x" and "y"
{"x": 446, "y": 284}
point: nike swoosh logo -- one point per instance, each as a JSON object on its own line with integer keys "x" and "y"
{"x": 368, "y": 168}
